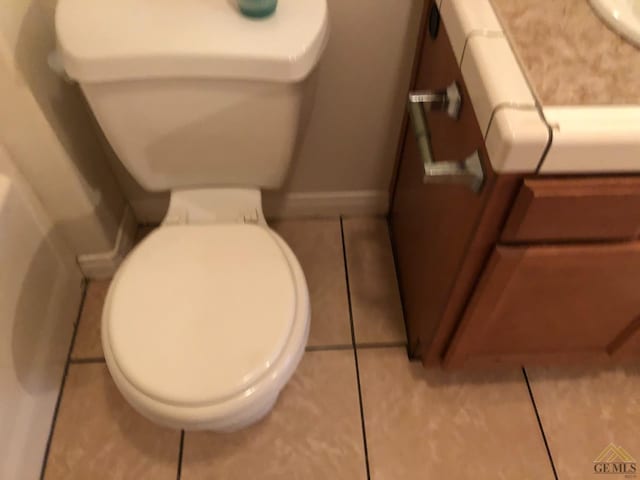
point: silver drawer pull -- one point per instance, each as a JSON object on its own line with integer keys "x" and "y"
{"x": 468, "y": 171}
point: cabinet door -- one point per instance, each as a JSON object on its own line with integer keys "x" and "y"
{"x": 552, "y": 303}
{"x": 432, "y": 224}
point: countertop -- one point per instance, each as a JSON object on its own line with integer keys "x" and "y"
{"x": 555, "y": 91}
{"x": 569, "y": 56}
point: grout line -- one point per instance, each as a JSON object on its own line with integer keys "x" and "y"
{"x": 45, "y": 458}
{"x": 327, "y": 348}
{"x": 363, "y": 346}
{"x": 87, "y": 360}
{"x": 372, "y": 346}
{"x": 535, "y": 409}
{"x": 483, "y": 33}
{"x": 547, "y": 148}
{"x": 180, "y": 451}
{"x": 355, "y": 352}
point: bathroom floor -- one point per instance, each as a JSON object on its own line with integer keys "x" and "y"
{"x": 354, "y": 413}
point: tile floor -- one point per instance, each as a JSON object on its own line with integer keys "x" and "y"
{"x": 353, "y": 413}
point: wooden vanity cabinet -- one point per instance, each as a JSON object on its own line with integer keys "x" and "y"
{"x": 548, "y": 303}
{"x": 433, "y": 225}
{"x": 530, "y": 270}
{"x": 575, "y": 209}
{"x": 563, "y": 282}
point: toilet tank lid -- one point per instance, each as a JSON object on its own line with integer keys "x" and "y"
{"x": 108, "y": 40}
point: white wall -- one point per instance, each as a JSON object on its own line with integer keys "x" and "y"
{"x": 40, "y": 291}
{"x": 346, "y": 158}
{"x": 48, "y": 131}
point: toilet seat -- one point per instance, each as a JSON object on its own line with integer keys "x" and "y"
{"x": 204, "y": 324}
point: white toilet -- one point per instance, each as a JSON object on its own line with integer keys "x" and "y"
{"x": 207, "y": 319}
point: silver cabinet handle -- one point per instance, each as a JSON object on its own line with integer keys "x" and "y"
{"x": 468, "y": 171}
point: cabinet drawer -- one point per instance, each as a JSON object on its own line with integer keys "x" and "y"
{"x": 575, "y": 209}
{"x": 540, "y": 304}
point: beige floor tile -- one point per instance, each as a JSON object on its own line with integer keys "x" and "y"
{"x": 99, "y": 436}
{"x": 582, "y": 410}
{"x": 87, "y": 343}
{"x": 313, "y": 432}
{"x": 450, "y": 426}
{"x": 318, "y": 246}
{"x": 375, "y": 299}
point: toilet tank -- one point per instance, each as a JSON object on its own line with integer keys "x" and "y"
{"x": 192, "y": 93}
{"x": 179, "y": 133}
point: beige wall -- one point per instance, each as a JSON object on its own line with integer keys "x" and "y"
{"x": 47, "y": 129}
{"x": 363, "y": 78}
{"x": 350, "y": 144}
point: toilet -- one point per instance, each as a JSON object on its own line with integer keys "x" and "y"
{"x": 207, "y": 318}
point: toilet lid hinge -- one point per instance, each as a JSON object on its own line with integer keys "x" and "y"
{"x": 251, "y": 217}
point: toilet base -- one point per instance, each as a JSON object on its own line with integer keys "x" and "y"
{"x": 253, "y": 418}
{"x": 252, "y": 415}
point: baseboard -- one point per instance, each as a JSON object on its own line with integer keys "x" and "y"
{"x": 105, "y": 264}
{"x": 290, "y": 205}
{"x": 325, "y": 204}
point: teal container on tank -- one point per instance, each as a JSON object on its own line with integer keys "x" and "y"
{"x": 257, "y": 8}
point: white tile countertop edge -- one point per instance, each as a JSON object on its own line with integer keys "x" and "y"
{"x": 516, "y": 139}
{"x": 593, "y": 139}
{"x": 585, "y": 139}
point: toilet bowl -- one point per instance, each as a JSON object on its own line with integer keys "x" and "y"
{"x": 203, "y": 325}
{"x": 207, "y": 318}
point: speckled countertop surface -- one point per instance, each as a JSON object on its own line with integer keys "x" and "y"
{"x": 569, "y": 56}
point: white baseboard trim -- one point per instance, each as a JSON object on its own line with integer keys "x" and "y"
{"x": 291, "y": 205}
{"x": 325, "y": 204}
{"x": 105, "y": 264}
